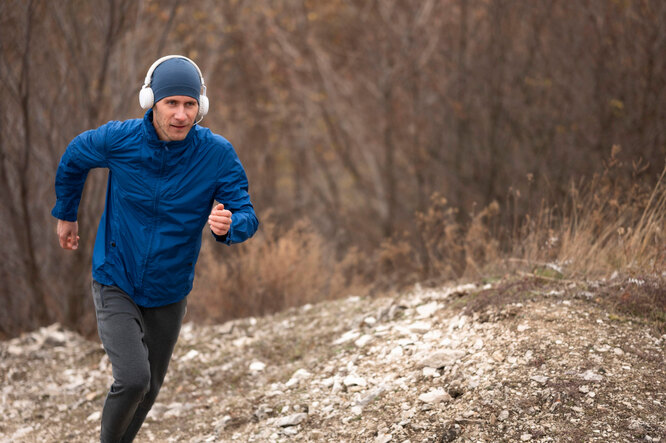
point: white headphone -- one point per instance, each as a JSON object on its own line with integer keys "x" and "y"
{"x": 147, "y": 98}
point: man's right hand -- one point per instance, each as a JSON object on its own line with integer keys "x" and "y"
{"x": 68, "y": 234}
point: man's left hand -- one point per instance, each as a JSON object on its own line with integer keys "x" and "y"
{"x": 219, "y": 220}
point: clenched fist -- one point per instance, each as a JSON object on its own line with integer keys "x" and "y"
{"x": 68, "y": 234}
{"x": 219, "y": 220}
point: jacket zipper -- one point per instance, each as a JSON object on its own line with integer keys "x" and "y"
{"x": 156, "y": 203}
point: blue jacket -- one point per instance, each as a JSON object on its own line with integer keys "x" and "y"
{"x": 158, "y": 199}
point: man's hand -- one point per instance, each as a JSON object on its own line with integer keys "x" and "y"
{"x": 68, "y": 234}
{"x": 219, "y": 220}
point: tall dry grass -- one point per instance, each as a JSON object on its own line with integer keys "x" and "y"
{"x": 277, "y": 269}
{"x": 609, "y": 225}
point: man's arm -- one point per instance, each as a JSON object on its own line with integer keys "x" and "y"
{"x": 85, "y": 152}
{"x": 234, "y": 220}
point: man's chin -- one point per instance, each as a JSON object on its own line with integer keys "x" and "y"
{"x": 178, "y": 134}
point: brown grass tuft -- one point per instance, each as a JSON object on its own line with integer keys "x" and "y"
{"x": 275, "y": 270}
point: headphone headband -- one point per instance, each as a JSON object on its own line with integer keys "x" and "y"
{"x": 149, "y": 75}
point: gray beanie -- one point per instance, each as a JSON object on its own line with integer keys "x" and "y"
{"x": 175, "y": 76}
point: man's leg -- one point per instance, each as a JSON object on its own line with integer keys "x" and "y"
{"x": 162, "y": 326}
{"x": 121, "y": 329}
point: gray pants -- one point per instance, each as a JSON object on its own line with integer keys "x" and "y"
{"x": 139, "y": 342}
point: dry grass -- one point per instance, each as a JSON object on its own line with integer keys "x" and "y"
{"x": 276, "y": 270}
{"x": 609, "y": 225}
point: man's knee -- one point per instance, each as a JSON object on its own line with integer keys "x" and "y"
{"x": 136, "y": 386}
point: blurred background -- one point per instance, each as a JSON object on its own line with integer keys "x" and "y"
{"x": 386, "y": 142}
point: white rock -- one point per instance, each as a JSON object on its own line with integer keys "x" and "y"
{"x": 522, "y": 328}
{"x": 346, "y": 337}
{"x": 291, "y": 420}
{"x": 526, "y": 437}
{"x": 95, "y": 416}
{"x": 584, "y": 389}
{"x": 427, "y": 310}
{"x": 503, "y": 415}
{"x": 22, "y": 432}
{"x": 396, "y": 353}
{"x": 363, "y": 340}
{"x": 371, "y": 396}
{"x": 591, "y": 376}
{"x": 419, "y": 327}
{"x": 440, "y": 359}
{"x": 370, "y": 321}
{"x": 435, "y": 396}
{"x": 430, "y": 372}
{"x": 383, "y": 438}
{"x": 257, "y": 366}
{"x": 190, "y": 355}
{"x": 298, "y": 377}
{"x": 541, "y": 379}
{"x": 354, "y": 380}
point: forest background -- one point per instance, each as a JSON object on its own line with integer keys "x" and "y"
{"x": 387, "y": 142}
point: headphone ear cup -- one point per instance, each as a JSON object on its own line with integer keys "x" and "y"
{"x": 146, "y": 97}
{"x": 203, "y": 105}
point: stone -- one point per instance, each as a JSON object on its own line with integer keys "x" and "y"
{"x": 191, "y": 354}
{"x": 526, "y": 437}
{"x": 503, "y": 415}
{"x": 419, "y": 327}
{"x": 363, "y": 340}
{"x": 372, "y": 396}
{"x": 354, "y": 380}
{"x": 427, "y": 310}
{"x": 291, "y": 420}
{"x": 298, "y": 377}
{"x": 430, "y": 372}
{"x": 257, "y": 366}
{"x": 435, "y": 396}
{"x": 541, "y": 379}
{"x": 591, "y": 376}
{"x": 440, "y": 359}
{"x": 95, "y": 416}
{"x": 347, "y": 337}
{"x": 396, "y": 353}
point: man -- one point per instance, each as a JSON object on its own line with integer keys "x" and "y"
{"x": 165, "y": 173}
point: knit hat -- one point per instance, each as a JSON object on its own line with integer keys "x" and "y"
{"x": 175, "y": 76}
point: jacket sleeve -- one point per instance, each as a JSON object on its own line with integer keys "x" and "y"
{"x": 86, "y": 151}
{"x": 232, "y": 192}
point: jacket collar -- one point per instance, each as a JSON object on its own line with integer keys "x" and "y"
{"x": 154, "y": 141}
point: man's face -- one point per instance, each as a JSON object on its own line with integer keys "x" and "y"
{"x": 174, "y": 116}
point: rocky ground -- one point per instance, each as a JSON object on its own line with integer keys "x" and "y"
{"x": 520, "y": 359}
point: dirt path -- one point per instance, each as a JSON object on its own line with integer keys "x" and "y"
{"x": 518, "y": 360}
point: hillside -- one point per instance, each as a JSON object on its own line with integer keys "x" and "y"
{"x": 520, "y": 359}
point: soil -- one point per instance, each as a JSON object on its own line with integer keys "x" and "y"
{"x": 523, "y": 358}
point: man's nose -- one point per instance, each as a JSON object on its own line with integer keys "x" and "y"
{"x": 180, "y": 113}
